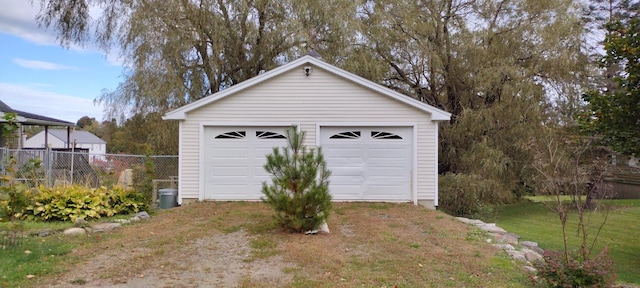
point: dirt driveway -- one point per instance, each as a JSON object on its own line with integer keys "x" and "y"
{"x": 175, "y": 248}
{"x": 221, "y": 260}
{"x": 235, "y": 245}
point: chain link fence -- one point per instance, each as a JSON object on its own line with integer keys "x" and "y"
{"x": 51, "y": 167}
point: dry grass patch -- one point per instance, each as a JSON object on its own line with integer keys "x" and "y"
{"x": 387, "y": 245}
{"x": 235, "y": 244}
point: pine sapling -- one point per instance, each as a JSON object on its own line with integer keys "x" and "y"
{"x": 299, "y": 192}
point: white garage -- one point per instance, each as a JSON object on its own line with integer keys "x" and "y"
{"x": 379, "y": 144}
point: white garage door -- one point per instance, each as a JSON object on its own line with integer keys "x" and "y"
{"x": 369, "y": 163}
{"x": 235, "y": 158}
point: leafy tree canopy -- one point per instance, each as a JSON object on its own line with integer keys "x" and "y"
{"x": 504, "y": 68}
{"x": 85, "y": 122}
{"x": 615, "y": 113}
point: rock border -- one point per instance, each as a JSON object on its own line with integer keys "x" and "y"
{"x": 82, "y": 227}
{"x": 526, "y": 252}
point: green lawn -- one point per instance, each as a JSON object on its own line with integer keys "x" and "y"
{"x": 34, "y": 258}
{"x": 534, "y": 221}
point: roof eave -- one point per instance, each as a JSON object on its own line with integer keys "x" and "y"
{"x": 174, "y": 116}
{"x": 30, "y": 121}
{"x": 47, "y": 123}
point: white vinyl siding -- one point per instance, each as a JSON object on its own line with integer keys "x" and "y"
{"x": 295, "y": 98}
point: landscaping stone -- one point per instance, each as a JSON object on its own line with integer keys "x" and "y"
{"x": 80, "y": 223}
{"x": 44, "y": 232}
{"x": 531, "y": 255}
{"x": 134, "y": 219}
{"x": 324, "y": 228}
{"x": 517, "y": 255}
{"x": 470, "y": 221}
{"x": 530, "y": 252}
{"x": 122, "y": 221}
{"x": 491, "y": 227}
{"x": 143, "y": 215}
{"x": 504, "y": 246}
{"x": 105, "y": 227}
{"x": 75, "y": 231}
{"x": 533, "y": 246}
{"x": 508, "y": 238}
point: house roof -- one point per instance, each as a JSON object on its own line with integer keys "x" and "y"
{"x": 81, "y": 137}
{"x": 436, "y": 114}
{"x": 27, "y": 118}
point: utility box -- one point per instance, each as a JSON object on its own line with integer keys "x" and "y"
{"x": 168, "y": 198}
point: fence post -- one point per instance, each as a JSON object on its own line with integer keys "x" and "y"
{"x": 49, "y": 167}
{"x": 73, "y": 154}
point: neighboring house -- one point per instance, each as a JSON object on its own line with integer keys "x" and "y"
{"x": 26, "y": 118}
{"x": 77, "y": 139}
{"x": 379, "y": 144}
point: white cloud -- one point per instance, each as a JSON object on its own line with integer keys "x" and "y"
{"x": 41, "y": 84}
{"x": 18, "y": 18}
{"x": 42, "y": 65}
{"x": 49, "y": 104}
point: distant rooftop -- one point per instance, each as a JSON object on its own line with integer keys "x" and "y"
{"x": 27, "y": 118}
{"x": 81, "y": 137}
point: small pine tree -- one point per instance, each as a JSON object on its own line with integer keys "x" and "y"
{"x": 299, "y": 193}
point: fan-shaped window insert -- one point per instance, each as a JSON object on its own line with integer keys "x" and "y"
{"x": 269, "y": 135}
{"x": 346, "y": 135}
{"x": 384, "y": 135}
{"x": 232, "y": 135}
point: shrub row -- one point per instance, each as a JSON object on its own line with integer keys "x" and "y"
{"x": 72, "y": 202}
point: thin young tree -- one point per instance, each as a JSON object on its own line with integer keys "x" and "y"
{"x": 570, "y": 172}
{"x": 299, "y": 192}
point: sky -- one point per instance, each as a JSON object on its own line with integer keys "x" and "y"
{"x": 38, "y": 76}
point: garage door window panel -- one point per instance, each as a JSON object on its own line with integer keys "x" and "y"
{"x": 385, "y": 135}
{"x": 347, "y": 135}
{"x": 232, "y": 135}
{"x": 269, "y": 135}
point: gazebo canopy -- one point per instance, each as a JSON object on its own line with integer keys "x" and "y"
{"x": 26, "y": 118}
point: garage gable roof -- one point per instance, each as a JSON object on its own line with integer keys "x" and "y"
{"x": 180, "y": 113}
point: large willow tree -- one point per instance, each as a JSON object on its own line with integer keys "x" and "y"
{"x": 503, "y": 68}
{"x": 178, "y": 51}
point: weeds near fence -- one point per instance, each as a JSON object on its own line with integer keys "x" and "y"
{"x": 11, "y": 235}
{"x": 13, "y": 194}
{"x": 143, "y": 176}
{"x": 50, "y": 167}
{"x": 14, "y": 197}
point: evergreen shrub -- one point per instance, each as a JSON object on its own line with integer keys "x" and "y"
{"x": 299, "y": 192}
